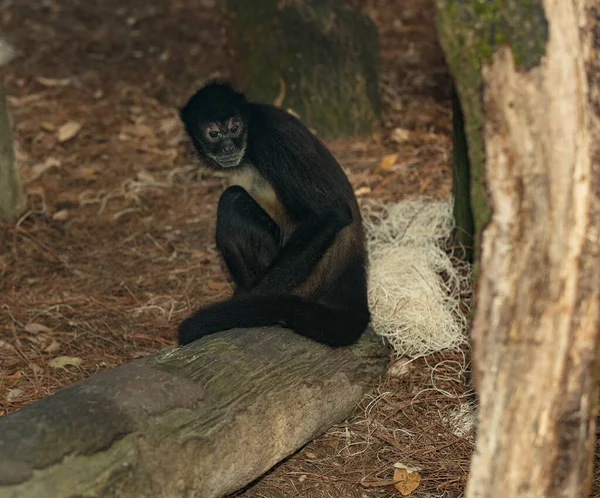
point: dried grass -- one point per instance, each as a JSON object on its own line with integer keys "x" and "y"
{"x": 418, "y": 291}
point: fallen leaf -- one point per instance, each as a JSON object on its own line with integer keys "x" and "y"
{"x": 68, "y": 131}
{"x": 388, "y": 161}
{"x": 214, "y": 285}
{"x": 46, "y": 126}
{"x": 311, "y": 455}
{"x": 61, "y": 215}
{"x": 407, "y": 480}
{"x": 51, "y": 82}
{"x": 36, "y": 328}
{"x": 52, "y": 162}
{"x": 13, "y": 394}
{"x": 63, "y": 361}
{"x": 53, "y": 347}
{"x": 362, "y": 191}
{"x": 400, "y": 135}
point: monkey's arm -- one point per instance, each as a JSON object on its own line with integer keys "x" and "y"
{"x": 305, "y": 248}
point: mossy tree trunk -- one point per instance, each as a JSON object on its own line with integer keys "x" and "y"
{"x": 319, "y": 58}
{"x": 527, "y": 73}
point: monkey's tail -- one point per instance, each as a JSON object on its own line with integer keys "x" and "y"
{"x": 319, "y": 322}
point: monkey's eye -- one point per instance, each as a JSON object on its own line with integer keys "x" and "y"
{"x": 234, "y": 129}
{"x": 214, "y": 134}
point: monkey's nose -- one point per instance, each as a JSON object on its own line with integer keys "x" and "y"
{"x": 228, "y": 147}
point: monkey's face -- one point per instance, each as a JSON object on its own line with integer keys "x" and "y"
{"x": 224, "y": 141}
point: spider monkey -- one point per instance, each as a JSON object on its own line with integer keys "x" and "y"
{"x": 288, "y": 226}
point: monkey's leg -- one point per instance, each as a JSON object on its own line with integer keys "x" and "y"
{"x": 247, "y": 237}
{"x": 305, "y": 248}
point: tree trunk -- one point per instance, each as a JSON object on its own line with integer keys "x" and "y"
{"x": 11, "y": 195}
{"x": 203, "y": 420}
{"x": 533, "y": 72}
{"x": 318, "y": 58}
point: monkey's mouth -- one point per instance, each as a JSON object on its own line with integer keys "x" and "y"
{"x": 228, "y": 160}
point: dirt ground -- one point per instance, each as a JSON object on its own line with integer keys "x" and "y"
{"x": 117, "y": 247}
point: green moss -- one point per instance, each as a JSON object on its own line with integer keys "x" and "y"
{"x": 470, "y": 32}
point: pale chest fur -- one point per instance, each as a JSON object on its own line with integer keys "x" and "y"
{"x": 253, "y": 182}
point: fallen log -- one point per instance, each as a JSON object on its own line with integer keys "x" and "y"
{"x": 203, "y": 420}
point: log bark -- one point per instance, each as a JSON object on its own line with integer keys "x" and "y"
{"x": 534, "y": 118}
{"x": 319, "y": 58}
{"x": 11, "y": 194}
{"x": 202, "y": 420}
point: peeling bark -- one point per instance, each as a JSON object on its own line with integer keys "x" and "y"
{"x": 537, "y": 322}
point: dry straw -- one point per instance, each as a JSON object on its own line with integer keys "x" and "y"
{"x": 416, "y": 285}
